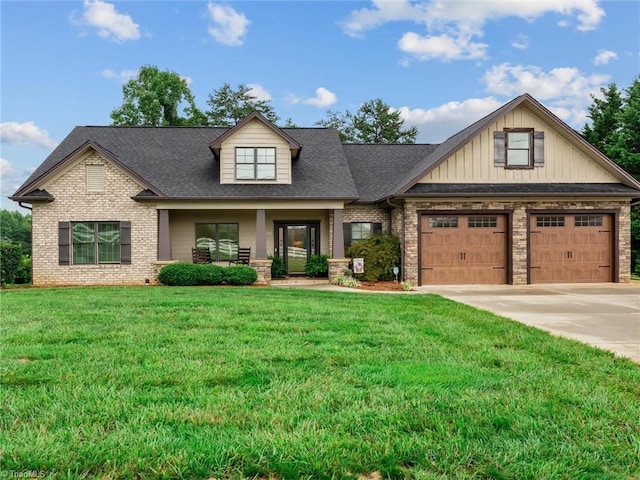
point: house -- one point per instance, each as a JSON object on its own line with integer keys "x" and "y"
{"x": 515, "y": 198}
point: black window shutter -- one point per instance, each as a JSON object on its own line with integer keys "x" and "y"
{"x": 376, "y": 229}
{"x": 125, "y": 243}
{"x": 346, "y": 228}
{"x": 63, "y": 243}
{"x": 538, "y": 149}
{"x": 499, "y": 156}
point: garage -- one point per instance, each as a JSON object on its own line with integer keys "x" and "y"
{"x": 571, "y": 247}
{"x": 463, "y": 249}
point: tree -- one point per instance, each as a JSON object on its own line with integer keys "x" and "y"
{"x": 155, "y": 98}
{"x": 626, "y": 145}
{"x": 605, "y": 119}
{"x": 374, "y": 122}
{"x": 16, "y": 228}
{"x": 229, "y": 106}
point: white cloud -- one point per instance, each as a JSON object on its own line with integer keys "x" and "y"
{"x": 452, "y": 28}
{"x": 110, "y": 23}
{"x": 122, "y": 75}
{"x": 521, "y": 42}
{"x": 292, "y": 99}
{"x": 565, "y": 91}
{"x": 324, "y": 98}
{"x": 604, "y": 56}
{"x": 229, "y": 26}
{"x": 26, "y": 133}
{"x": 6, "y": 170}
{"x": 258, "y": 91}
{"x": 444, "y": 47}
{"x": 437, "y": 124}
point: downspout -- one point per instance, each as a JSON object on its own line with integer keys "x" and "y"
{"x": 24, "y": 206}
{"x": 402, "y": 236}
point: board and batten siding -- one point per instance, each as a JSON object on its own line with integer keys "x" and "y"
{"x": 564, "y": 162}
{"x": 255, "y": 134}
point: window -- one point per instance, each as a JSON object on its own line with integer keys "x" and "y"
{"x": 483, "y": 222}
{"x": 550, "y": 221}
{"x": 255, "y": 163}
{"x": 220, "y": 238}
{"x": 519, "y": 148}
{"x": 443, "y": 222}
{"x": 357, "y": 231}
{"x": 588, "y": 221}
{"x": 95, "y": 242}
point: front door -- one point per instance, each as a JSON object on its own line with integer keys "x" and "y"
{"x": 295, "y": 242}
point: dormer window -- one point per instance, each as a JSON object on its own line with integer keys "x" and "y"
{"x": 256, "y": 163}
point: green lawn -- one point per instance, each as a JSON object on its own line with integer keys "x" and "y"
{"x": 281, "y": 383}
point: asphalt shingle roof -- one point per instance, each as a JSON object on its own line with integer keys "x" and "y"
{"x": 520, "y": 189}
{"x": 177, "y": 161}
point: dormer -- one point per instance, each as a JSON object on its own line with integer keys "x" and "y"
{"x": 255, "y": 151}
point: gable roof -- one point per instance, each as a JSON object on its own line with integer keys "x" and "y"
{"x": 176, "y": 163}
{"x": 460, "y": 139}
{"x": 294, "y": 146}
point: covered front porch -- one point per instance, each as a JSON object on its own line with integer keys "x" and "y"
{"x": 290, "y": 230}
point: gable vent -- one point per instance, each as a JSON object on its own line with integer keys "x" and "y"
{"x": 95, "y": 178}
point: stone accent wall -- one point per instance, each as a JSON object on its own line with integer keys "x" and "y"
{"x": 337, "y": 266}
{"x": 74, "y": 204}
{"x": 367, "y": 213}
{"x": 519, "y": 232}
{"x": 263, "y": 269}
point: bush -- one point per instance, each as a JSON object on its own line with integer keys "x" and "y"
{"x": 10, "y": 262}
{"x": 187, "y": 274}
{"x": 317, "y": 266}
{"x": 278, "y": 268}
{"x": 346, "y": 281}
{"x": 240, "y": 275}
{"x": 24, "y": 271}
{"x": 381, "y": 253}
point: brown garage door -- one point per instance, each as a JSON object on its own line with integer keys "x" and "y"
{"x": 571, "y": 248}
{"x": 463, "y": 249}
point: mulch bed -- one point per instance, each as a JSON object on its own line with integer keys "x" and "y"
{"x": 382, "y": 286}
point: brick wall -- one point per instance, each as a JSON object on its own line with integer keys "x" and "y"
{"x": 519, "y": 232}
{"x": 73, "y": 203}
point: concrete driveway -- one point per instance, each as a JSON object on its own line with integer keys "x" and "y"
{"x": 605, "y": 315}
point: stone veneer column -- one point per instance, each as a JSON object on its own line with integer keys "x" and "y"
{"x": 263, "y": 269}
{"x": 337, "y": 266}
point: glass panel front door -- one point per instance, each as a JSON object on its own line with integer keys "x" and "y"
{"x": 297, "y": 248}
{"x": 295, "y": 243}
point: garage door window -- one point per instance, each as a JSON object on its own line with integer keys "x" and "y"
{"x": 550, "y": 221}
{"x": 483, "y": 222}
{"x": 588, "y": 221}
{"x": 443, "y": 222}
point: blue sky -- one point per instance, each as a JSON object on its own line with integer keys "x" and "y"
{"x": 443, "y": 64}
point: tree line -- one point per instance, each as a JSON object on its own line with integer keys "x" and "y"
{"x": 163, "y": 98}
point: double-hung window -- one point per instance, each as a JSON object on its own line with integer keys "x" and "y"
{"x": 95, "y": 242}
{"x": 519, "y": 148}
{"x": 255, "y": 163}
{"x": 357, "y": 231}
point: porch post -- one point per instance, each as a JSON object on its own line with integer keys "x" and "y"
{"x": 338, "y": 234}
{"x": 261, "y": 235}
{"x": 164, "y": 237}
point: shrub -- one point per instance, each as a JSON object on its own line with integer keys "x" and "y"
{"x": 210, "y": 274}
{"x": 346, "y": 281}
{"x": 240, "y": 275}
{"x": 24, "y": 270}
{"x": 278, "y": 268}
{"x": 179, "y": 274}
{"x": 317, "y": 266}
{"x": 380, "y": 253}
{"x": 10, "y": 262}
{"x": 187, "y": 274}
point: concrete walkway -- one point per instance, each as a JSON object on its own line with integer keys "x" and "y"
{"x": 605, "y": 315}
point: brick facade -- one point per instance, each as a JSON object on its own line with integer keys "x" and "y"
{"x": 519, "y": 230}
{"x": 74, "y": 204}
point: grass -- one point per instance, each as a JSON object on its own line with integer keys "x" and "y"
{"x": 201, "y": 383}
